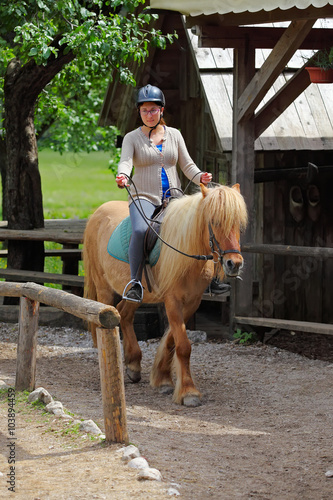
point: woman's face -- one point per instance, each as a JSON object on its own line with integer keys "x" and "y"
{"x": 150, "y": 113}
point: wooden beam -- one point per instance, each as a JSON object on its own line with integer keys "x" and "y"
{"x": 243, "y": 162}
{"x": 288, "y": 250}
{"x": 286, "y": 324}
{"x": 27, "y": 345}
{"x": 112, "y": 385}
{"x": 272, "y": 67}
{"x": 260, "y": 38}
{"x": 280, "y": 102}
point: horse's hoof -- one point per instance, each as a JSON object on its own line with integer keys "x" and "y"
{"x": 134, "y": 377}
{"x": 166, "y": 389}
{"x": 192, "y": 401}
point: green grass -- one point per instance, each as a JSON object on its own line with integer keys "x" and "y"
{"x": 74, "y": 185}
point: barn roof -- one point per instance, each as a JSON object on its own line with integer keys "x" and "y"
{"x": 307, "y": 124}
{"x": 209, "y": 7}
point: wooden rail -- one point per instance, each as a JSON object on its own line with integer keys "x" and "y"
{"x": 109, "y": 353}
{"x": 283, "y": 324}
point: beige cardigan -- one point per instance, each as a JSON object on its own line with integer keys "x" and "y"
{"x": 140, "y": 152}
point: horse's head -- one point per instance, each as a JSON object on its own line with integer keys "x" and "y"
{"x": 226, "y": 215}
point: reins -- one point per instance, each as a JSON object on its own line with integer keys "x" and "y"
{"x": 212, "y": 240}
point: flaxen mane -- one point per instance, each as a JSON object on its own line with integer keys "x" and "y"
{"x": 186, "y": 223}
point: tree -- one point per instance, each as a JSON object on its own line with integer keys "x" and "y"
{"x": 38, "y": 39}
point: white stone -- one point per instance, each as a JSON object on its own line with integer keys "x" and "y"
{"x": 329, "y": 473}
{"x": 150, "y": 474}
{"x": 138, "y": 463}
{"x": 40, "y": 394}
{"x": 55, "y": 407}
{"x": 130, "y": 452}
{"x": 91, "y": 427}
{"x": 196, "y": 336}
{"x": 172, "y": 492}
{"x": 66, "y": 417}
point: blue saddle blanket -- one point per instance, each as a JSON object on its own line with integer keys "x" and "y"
{"x": 119, "y": 242}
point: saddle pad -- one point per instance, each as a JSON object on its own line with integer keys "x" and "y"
{"x": 119, "y": 242}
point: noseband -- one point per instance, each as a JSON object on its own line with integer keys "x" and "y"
{"x": 214, "y": 243}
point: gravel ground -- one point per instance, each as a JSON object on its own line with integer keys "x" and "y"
{"x": 264, "y": 430}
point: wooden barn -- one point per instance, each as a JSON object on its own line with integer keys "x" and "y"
{"x": 237, "y": 88}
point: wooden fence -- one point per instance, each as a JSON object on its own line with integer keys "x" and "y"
{"x": 106, "y": 319}
{"x": 283, "y": 250}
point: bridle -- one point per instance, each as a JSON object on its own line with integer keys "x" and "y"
{"x": 214, "y": 243}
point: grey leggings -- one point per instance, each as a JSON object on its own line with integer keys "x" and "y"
{"x": 139, "y": 228}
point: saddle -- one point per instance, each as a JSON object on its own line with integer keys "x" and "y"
{"x": 119, "y": 241}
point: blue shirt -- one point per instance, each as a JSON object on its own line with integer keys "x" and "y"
{"x": 165, "y": 180}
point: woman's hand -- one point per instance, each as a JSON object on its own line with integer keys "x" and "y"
{"x": 121, "y": 180}
{"x": 205, "y": 178}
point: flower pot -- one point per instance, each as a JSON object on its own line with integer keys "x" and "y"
{"x": 320, "y": 75}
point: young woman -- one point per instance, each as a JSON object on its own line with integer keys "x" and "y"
{"x": 153, "y": 150}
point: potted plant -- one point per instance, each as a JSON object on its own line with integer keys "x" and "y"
{"x": 320, "y": 66}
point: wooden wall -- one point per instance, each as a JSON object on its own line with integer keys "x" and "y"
{"x": 298, "y": 288}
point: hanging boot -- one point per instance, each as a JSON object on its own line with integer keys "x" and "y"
{"x": 296, "y": 203}
{"x": 314, "y": 206}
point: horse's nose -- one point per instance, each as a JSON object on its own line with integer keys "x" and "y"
{"x": 232, "y": 267}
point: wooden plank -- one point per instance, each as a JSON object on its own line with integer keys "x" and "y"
{"x": 68, "y": 253}
{"x": 272, "y": 67}
{"x": 60, "y": 236}
{"x": 282, "y": 99}
{"x": 215, "y": 298}
{"x": 259, "y": 37}
{"x": 288, "y": 250}
{"x": 224, "y": 58}
{"x": 319, "y": 113}
{"x": 325, "y": 91}
{"x": 308, "y": 122}
{"x": 27, "y": 345}
{"x": 59, "y": 230}
{"x": 243, "y": 163}
{"x": 112, "y": 385}
{"x": 220, "y": 107}
{"x": 285, "y": 324}
{"x": 40, "y": 277}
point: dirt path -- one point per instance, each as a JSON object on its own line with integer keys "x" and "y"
{"x": 264, "y": 430}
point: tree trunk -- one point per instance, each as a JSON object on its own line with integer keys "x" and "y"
{"x": 22, "y": 190}
{"x": 3, "y": 170}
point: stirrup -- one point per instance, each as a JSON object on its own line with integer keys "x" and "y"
{"x": 134, "y": 282}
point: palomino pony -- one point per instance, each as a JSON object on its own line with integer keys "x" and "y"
{"x": 208, "y": 223}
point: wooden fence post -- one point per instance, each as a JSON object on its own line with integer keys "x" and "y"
{"x": 27, "y": 345}
{"x": 112, "y": 385}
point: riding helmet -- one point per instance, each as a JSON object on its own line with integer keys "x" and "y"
{"x": 150, "y": 93}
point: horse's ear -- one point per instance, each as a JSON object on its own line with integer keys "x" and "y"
{"x": 237, "y": 187}
{"x": 204, "y": 190}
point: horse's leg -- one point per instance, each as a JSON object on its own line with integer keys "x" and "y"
{"x": 185, "y": 391}
{"x": 132, "y": 351}
{"x": 160, "y": 375}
